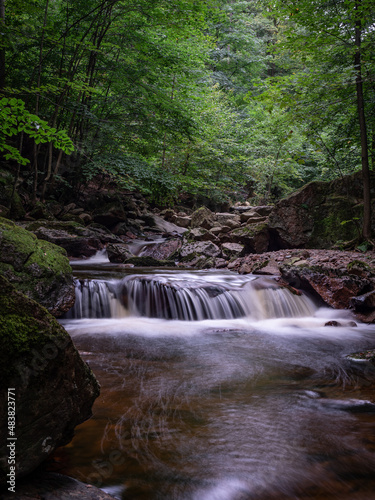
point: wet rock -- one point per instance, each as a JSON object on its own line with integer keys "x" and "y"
{"x": 145, "y": 261}
{"x": 37, "y": 268}
{"x": 52, "y": 486}
{"x": 163, "y": 226}
{"x": 363, "y": 302}
{"x": 118, "y": 252}
{"x": 164, "y": 250}
{"x": 54, "y": 388}
{"x": 332, "y": 323}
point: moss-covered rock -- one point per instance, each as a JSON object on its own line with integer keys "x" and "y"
{"x": 320, "y": 214}
{"x": 37, "y": 268}
{"x": 52, "y": 387}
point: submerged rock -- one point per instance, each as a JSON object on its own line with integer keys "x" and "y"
{"x": 53, "y": 388}
{"x": 52, "y": 486}
{"x": 37, "y": 268}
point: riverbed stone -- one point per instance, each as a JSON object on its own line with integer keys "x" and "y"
{"x": 53, "y": 486}
{"x": 54, "y": 388}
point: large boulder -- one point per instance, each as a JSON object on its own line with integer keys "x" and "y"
{"x": 79, "y": 241}
{"x": 320, "y": 214}
{"x": 52, "y": 387}
{"x": 37, "y": 268}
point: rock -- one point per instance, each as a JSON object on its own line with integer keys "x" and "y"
{"x": 79, "y": 241}
{"x": 37, "y": 268}
{"x": 200, "y": 234}
{"x": 231, "y": 250}
{"x": 264, "y": 210}
{"x": 110, "y": 214}
{"x": 203, "y": 217}
{"x": 182, "y": 221}
{"x": 168, "y": 214}
{"x": 40, "y": 211}
{"x": 332, "y": 323}
{"x": 52, "y": 486}
{"x": 249, "y": 214}
{"x": 336, "y": 290}
{"x": 118, "y": 252}
{"x": 54, "y": 388}
{"x": 255, "y": 238}
{"x": 226, "y": 219}
{"x": 320, "y": 214}
{"x": 85, "y": 218}
{"x": 363, "y": 302}
{"x": 162, "y": 251}
{"x": 163, "y": 226}
{"x": 145, "y": 261}
{"x": 189, "y": 251}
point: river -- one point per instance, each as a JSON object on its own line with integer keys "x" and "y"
{"x": 216, "y": 386}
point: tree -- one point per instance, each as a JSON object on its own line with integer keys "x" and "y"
{"x": 333, "y": 39}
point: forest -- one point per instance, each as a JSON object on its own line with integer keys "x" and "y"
{"x": 186, "y": 101}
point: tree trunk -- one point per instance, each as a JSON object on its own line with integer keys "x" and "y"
{"x": 2, "y": 51}
{"x": 366, "y": 230}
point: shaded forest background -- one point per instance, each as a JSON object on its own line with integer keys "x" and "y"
{"x": 187, "y": 101}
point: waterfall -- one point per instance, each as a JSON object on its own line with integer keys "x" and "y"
{"x": 188, "y": 297}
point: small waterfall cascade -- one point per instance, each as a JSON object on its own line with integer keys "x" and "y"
{"x": 96, "y": 299}
{"x": 188, "y": 297}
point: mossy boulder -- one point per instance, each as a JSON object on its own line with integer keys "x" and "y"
{"x": 37, "y": 268}
{"x": 320, "y": 214}
{"x": 53, "y": 388}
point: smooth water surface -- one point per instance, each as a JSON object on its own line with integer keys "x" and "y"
{"x": 252, "y": 407}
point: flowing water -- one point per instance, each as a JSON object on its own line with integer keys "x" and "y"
{"x": 216, "y": 386}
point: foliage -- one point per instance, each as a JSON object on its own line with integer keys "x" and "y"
{"x": 15, "y": 119}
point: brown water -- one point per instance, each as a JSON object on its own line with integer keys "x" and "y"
{"x": 226, "y": 409}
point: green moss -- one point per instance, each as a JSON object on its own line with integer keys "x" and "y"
{"x": 336, "y": 220}
{"x": 250, "y": 230}
{"x": 24, "y": 325}
{"x": 356, "y": 264}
